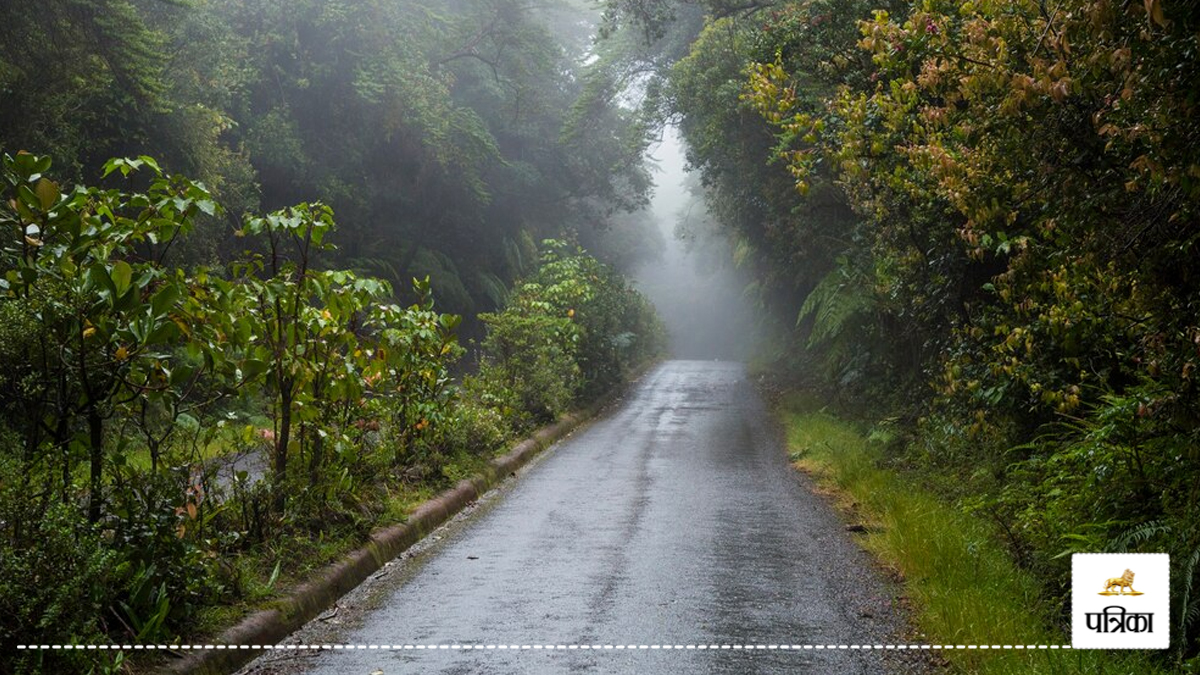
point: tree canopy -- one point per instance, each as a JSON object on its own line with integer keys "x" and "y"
{"x": 448, "y": 136}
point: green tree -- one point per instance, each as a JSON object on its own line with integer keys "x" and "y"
{"x": 87, "y": 266}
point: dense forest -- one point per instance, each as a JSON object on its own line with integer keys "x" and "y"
{"x": 245, "y": 246}
{"x": 975, "y": 224}
{"x": 249, "y": 228}
{"x": 448, "y": 137}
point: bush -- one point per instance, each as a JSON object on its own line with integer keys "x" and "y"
{"x": 356, "y": 391}
{"x": 478, "y": 429}
{"x": 166, "y": 550}
{"x": 570, "y": 334}
{"x": 55, "y": 578}
{"x": 531, "y": 370}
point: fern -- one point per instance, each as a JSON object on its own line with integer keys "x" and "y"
{"x": 492, "y": 288}
{"x": 374, "y": 267}
{"x": 1189, "y": 606}
{"x": 1139, "y": 535}
{"x": 1189, "y": 611}
{"x": 836, "y": 301}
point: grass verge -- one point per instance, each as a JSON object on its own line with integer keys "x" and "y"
{"x": 963, "y": 585}
{"x": 270, "y": 572}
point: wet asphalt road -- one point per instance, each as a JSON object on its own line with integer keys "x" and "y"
{"x": 674, "y": 520}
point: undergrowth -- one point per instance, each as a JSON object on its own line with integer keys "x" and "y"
{"x": 960, "y": 579}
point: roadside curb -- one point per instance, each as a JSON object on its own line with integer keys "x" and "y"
{"x": 270, "y": 626}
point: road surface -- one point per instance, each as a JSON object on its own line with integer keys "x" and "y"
{"x": 672, "y": 520}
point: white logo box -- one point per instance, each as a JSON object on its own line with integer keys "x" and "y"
{"x": 1122, "y": 620}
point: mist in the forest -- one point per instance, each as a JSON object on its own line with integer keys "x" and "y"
{"x": 694, "y": 285}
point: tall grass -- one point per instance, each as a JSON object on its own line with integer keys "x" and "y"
{"x": 963, "y": 586}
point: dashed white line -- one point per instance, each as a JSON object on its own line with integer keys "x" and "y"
{"x": 521, "y": 647}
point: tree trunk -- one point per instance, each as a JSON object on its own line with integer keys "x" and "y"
{"x": 281, "y": 446}
{"x": 96, "y": 458}
{"x": 318, "y": 457}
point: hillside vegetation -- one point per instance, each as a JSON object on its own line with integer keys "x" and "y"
{"x": 975, "y": 223}
{"x": 210, "y": 385}
{"x": 133, "y": 386}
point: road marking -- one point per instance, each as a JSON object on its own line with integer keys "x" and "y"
{"x": 520, "y": 647}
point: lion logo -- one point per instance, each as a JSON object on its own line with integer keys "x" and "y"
{"x": 1123, "y": 584}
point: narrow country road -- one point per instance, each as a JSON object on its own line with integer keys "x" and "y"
{"x": 672, "y": 520}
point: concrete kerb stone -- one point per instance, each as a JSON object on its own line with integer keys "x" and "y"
{"x": 270, "y": 626}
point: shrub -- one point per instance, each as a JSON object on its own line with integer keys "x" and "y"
{"x": 569, "y": 334}
{"x": 478, "y": 429}
{"x": 55, "y": 577}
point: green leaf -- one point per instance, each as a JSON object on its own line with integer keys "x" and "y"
{"x": 47, "y": 193}
{"x": 23, "y": 210}
{"x": 252, "y": 368}
{"x": 274, "y": 574}
{"x": 150, "y": 162}
{"x": 125, "y": 166}
{"x": 98, "y": 276}
{"x": 165, "y": 331}
{"x": 182, "y": 374}
{"x": 28, "y": 197}
{"x": 164, "y": 299}
{"x": 122, "y": 274}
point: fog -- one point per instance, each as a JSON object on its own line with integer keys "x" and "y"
{"x": 694, "y": 285}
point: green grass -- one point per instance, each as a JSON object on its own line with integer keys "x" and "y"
{"x": 212, "y": 444}
{"x": 963, "y": 586}
{"x": 402, "y": 501}
{"x": 300, "y": 556}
